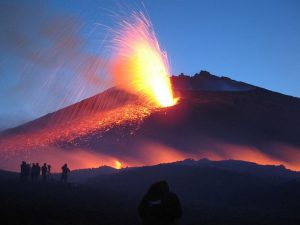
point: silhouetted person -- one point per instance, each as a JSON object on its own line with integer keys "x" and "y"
{"x": 23, "y": 171}
{"x": 160, "y": 206}
{"x": 49, "y": 169}
{"x": 27, "y": 171}
{"x": 44, "y": 171}
{"x": 33, "y": 171}
{"x": 38, "y": 171}
{"x": 64, "y": 174}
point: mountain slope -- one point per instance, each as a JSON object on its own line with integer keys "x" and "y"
{"x": 239, "y": 121}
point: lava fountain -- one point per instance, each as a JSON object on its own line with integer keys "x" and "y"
{"x": 138, "y": 63}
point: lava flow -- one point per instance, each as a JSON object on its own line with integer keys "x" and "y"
{"x": 139, "y": 65}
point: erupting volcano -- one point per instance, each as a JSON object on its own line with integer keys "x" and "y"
{"x": 141, "y": 73}
{"x": 106, "y": 120}
{"x": 139, "y": 121}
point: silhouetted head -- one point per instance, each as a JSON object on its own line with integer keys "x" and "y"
{"x": 45, "y": 164}
{"x": 23, "y": 162}
{"x": 159, "y": 188}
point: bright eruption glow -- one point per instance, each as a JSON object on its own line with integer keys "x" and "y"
{"x": 118, "y": 165}
{"x": 139, "y": 65}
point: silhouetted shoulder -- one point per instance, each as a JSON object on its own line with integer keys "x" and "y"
{"x": 174, "y": 205}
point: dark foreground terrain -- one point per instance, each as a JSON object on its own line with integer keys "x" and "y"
{"x": 224, "y": 192}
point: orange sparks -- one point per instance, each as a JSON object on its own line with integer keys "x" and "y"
{"x": 139, "y": 65}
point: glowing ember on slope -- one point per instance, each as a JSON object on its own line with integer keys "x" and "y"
{"x": 118, "y": 165}
{"x": 139, "y": 65}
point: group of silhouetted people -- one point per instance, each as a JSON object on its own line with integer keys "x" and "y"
{"x": 34, "y": 171}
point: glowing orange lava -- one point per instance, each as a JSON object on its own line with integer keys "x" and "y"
{"x": 75, "y": 130}
{"x": 118, "y": 165}
{"x": 139, "y": 65}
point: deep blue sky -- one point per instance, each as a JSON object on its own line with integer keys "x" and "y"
{"x": 255, "y": 41}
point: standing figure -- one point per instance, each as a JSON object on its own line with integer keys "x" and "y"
{"x": 23, "y": 171}
{"x": 38, "y": 171}
{"x": 33, "y": 172}
{"x": 64, "y": 173}
{"x": 49, "y": 171}
{"x": 27, "y": 171}
{"x": 160, "y": 206}
{"x": 44, "y": 171}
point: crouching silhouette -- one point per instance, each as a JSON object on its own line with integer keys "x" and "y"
{"x": 160, "y": 206}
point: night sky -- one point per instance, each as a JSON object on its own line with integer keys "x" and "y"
{"x": 52, "y": 53}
